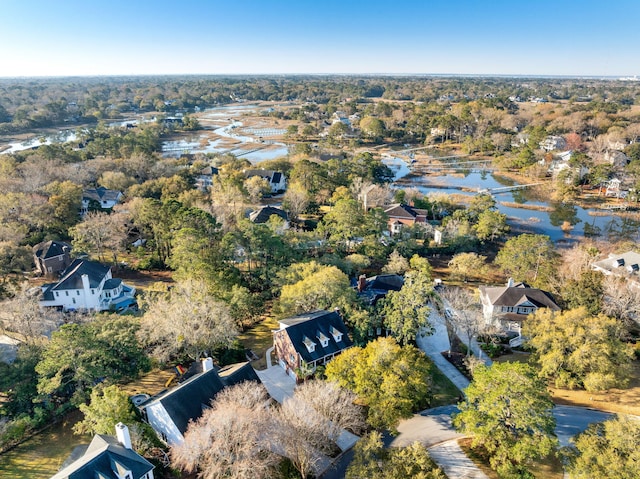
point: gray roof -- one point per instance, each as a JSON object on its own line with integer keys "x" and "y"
{"x": 270, "y": 175}
{"x": 101, "y": 194}
{"x": 187, "y": 402}
{"x": 50, "y": 249}
{"x": 311, "y": 326}
{"x": 519, "y": 294}
{"x": 620, "y": 264}
{"x": 263, "y": 214}
{"x": 71, "y": 277}
{"x": 112, "y": 283}
{"x": 104, "y": 455}
{"x": 404, "y": 211}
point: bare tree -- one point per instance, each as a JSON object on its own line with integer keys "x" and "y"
{"x": 312, "y": 420}
{"x": 100, "y": 233}
{"x": 464, "y": 313}
{"x": 621, "y": 300}
{"x": 186, "y": 319}
{"x": 23, "y": 315}
{"x": 231, "y": 439}
{"x": 296, "y": 199}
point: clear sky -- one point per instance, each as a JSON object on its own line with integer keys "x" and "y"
{"x": 124, "y": 37}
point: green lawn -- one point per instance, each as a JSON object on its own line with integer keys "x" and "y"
{"x": 41, "y": 456}
{"x": 259, "y": 338}
{"x": 444, "y": 392}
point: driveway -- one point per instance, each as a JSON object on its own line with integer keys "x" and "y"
{"x": 454, "y": 461}
{"x": 279, "y": 385}
{"x": 429, "y": 427}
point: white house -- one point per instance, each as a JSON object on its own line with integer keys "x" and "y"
{"x": 511, "y": 304}
{"x": 276, "y": 179}
{"x": 170, "y": 412}
{"x": 551, "y": 143}
{"x": 102, "y": 197}
{"x": 87, "y": 285}
{"x": 624, "y": 265}
{"x": 107, "y": 457}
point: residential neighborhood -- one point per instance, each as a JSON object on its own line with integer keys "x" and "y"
{"x": 313, "y": 278}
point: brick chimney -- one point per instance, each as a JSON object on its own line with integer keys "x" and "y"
{"x": 362, "y": 283}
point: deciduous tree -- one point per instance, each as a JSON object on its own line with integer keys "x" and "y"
{"x": 528, "y": 257}
{"x": 579, "y": 350}
{"x": 393, "y": 381}
{"x": 507, "y": 412}
{"x": 607, "y": 450}
{"x": 107, "y": 407}
{"x": 466, "y": 265}
{"x": 186, "y": 320}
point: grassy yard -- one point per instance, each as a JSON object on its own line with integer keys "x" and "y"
{"x": 626, "y": 401}
{"x": 259, "y": 338}
{"x": 41, "y": 456}
{"x": 444, "y": 392}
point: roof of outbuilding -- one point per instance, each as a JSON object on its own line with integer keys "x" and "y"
{"x": 101, "y": 457}
{"x": 312, "y": 326}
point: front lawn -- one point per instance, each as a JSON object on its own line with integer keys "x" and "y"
{"x": 258, "y": 339}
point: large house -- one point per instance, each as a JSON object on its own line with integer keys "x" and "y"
{"x": 87, "y": 285}
{"x": 204, "y": 181}
{"x": 276, "y": 179}
{"x": 99, "y": 198}
{"x": 509, "y": 305}
{"x": 404, "y": 215}
{"x": 51, "y": 257}
{"x": 107, "y": 458}
{"x": 624, "y": 265}
{"x": 170, "y": 412}
{"x": 310, "y": 340}
{"x": 264, "y": 213}
{"x": 373, "y": 289}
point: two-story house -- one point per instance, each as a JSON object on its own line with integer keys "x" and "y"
{"x": 51, "y": 257}
{"x": 99, "y": 198}
{"x": 309, "y": 340}
{"x": 623, "y": 265}
{"x": 276, "y": 179}
{"x": 107, "y": 458}
{"x": 510, "y": 305}
{"x": 404, "y": 215}
{"x": 87, "y": 285}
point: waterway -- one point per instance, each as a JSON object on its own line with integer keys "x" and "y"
{"x": 561, "y": 222}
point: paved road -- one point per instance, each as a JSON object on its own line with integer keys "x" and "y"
{"x": 571, "y": 420}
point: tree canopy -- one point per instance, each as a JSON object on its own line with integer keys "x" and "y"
{"x": 579, "y": 350}
{"x": 393, "y": 381}
{"x": 507, "y": 412}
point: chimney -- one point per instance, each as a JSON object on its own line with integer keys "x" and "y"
{"x": 85, "y": 283}
{"x": 207, "y": 364}
{"x": 510, "y": 283}
{"x": 362, "y": 283}
{"x": 122, "y": 434}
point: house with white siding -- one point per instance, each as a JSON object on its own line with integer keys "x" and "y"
{"x": 87, "y": 286}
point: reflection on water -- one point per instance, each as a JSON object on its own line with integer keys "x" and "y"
{"x": 560, "y": 221}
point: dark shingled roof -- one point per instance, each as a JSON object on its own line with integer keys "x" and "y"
{"x": 101, "y": 194}
{"x": 71, "y": 277}
{"x": 314, "y": 324}
{"x": 518, "y": 294}
{"x": 404, "y": 211}
{"x": 187, "y": 402}
{"x": 103, "y": 455}
{"x": 112, "y": 283}
{"x": 263, "y": 214}
{"x": 385, "y": 282}
{"x": 50, "y": 249}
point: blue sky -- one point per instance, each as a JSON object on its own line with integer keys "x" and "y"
{"x": 118, "y": 37}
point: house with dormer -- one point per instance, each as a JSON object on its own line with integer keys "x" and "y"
{"x": 107, "y": 457}
{"x": 508, "y": 306}
{"x": 623, "y": 265}
{"x": 88, "y": 286}
{"x": 309, "y": 340}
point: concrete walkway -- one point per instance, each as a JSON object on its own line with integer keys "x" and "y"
{"x": 454, "y": 462}
{"x": 277, "y": 382}
{"x": 436, "y": 343}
